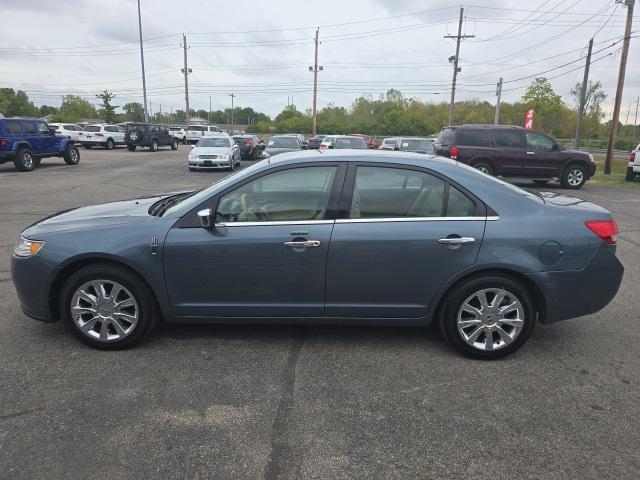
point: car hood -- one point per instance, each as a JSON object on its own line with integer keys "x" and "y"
{"x": 211, "y": 150}
{"x": 573, "y": 152}
{"x": 106, "y": 214}
{"x": 276, "y": 151}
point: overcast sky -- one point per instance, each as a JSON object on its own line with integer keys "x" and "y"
{"x": 261, "y": 51}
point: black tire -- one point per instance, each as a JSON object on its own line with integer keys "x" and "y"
{"x": 88, "y": 147}
{"x": 184, "y": 140}
{"x": 25, "y": 160}
{"x": 71, "y": 155}
{"x": 174, "y": 144}
{"x": 484, "y": 167}
{"x": 459, "y": 294}
{"x": 131, "y": 148}
{"x": 254, "y": 155}
{"x": 193, "y": 169}
{"x": 574, "y": 176}
{"x": 541, "y": 182}
{"x": 154, "y": 145}
{"x": 232, "y": 164}
{"x": 147, "y": 311}
{"x": 110, "y": 144}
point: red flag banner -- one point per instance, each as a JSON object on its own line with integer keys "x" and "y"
{"x": 528, "y": 119}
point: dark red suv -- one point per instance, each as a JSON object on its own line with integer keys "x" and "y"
{"x": 515, "y": 152}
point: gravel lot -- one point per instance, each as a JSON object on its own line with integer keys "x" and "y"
{"x": 305, "y": 402}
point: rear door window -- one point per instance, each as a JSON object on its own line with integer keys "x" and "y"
{"x": 472, "y": 138}
{"x": 510, "y": 138}
{"x": 29, "y": 128}
{"x": 537, "y": 141}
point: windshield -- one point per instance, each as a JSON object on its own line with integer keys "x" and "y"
{"x": 200, "y": 196}
{"x": 213, "y": 142}
{"x": 416, "y": 144}
{"x": 92, "y": 128}
{"x": 284, "y": 142}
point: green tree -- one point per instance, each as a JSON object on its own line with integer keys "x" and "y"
{"x": 133, "y": 111}
{"x": 75, "y": 109}
{"x": 548, "y": 105}
{"x": 16, "y": 103}
{"x": 107, "y": 110}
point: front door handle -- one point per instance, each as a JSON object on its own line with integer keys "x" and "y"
{"x": 302, "y": 244}
{"x": 531, "y": 153}
{"x": 456, "y": 240}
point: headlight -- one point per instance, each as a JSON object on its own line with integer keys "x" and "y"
{"x": 27, "y": 248}
{"x": 192, "y": 156}
{"x": 224, "y": 157}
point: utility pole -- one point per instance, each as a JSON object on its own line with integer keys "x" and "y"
{"x": 186, "y": 70}
{"x": 314, "y": 69}
{"x": 209, "y": 113}
{"x": 635, "y": 121}
{"x": 583, "y": 94}
{"x": 455, "y": 59}
{"x": 232, "y": 95}
{"x": 144, "y": 81}
{"x": 161, "y": 120}
{"x": 626, "y": 121}
{"x": 621, "y": 73}
{"x": 498, "y": 94}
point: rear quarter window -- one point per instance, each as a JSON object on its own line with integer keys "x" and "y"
{"x": 472, "y": 138}
{"x": 13, "y": 127}
{"x": 446, "y": 136}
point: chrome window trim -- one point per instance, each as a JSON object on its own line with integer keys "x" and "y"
{"x": 279, "y": 223}
{"x": 416, "y": 219}
{"x": 356, "y": 220}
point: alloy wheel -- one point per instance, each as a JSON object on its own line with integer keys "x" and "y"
{"x": 27, "y": 160}
{"x": 104, "y": 310}
{"x": 575, "y": 177}
{"x": 490, "y": 319}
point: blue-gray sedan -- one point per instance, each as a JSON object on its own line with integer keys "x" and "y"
{"x": 340, "y": 237}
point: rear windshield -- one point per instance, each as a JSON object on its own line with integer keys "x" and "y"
{"x": 389, "y": 141}
{"x": 175, "y": 129}
{"x": 70, "y": 127}
{"x": 197, "y": 128}
{"x": 413, "y": 144}
{"x": 446, "y": 136}
{"x": 355, "y": 142}
{"x": 92, "y": 128}
{"x": 284, "y": 142}
{"x": 214, "y": 142}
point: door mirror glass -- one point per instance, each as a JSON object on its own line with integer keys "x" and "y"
{"x": 206, "y": 218}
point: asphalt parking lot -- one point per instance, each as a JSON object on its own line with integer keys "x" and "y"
{"x": 306, "y": 402}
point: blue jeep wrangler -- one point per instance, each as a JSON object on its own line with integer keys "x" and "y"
{"x": 26, "y": 141}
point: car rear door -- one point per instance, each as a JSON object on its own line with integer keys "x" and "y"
{"x": 31, "y": 135}
{"x": 542, "y": 156}
{"x": 401, "y": 233}
{"x": 510, "y": 153}
{"x": 266, "y": 256}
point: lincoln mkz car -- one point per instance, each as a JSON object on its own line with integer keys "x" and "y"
{"x": 335, "y": 237}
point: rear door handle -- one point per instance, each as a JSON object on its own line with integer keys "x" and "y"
{"x": 456, "y": 240}
{"x": 302, "y": 244}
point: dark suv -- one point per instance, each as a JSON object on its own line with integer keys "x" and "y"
{"x": 251, "y": 147}
{"x": 26, "y": 141}
{"x": 149, "y": 135}
{"x": 515, "y": 152}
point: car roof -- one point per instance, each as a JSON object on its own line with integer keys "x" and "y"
{"x": 357, "y": 155}
{"x": 216, "y": 134}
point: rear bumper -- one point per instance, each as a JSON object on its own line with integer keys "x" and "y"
{"x": 93, "y": 142}
{"x": 573, "y": 294}
{"x": 6, "y": 156}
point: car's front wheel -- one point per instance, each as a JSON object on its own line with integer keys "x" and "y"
{"x": 154, "y": 146}
{"x": 107, "y": 307}
{"x": 174, "y": 144}
{"x": 71, "y": 155}
{"x": 110, "y": 144}
{"x": 488, "y": 317}
{"x": 574, "y": 177}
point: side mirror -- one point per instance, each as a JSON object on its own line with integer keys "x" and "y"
{"x": 206, "y": 218}
{"x": 52, "y": 130}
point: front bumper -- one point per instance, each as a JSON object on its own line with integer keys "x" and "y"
{"x": 32, "y": 279}
{"x": 571, "y": 294}
{"x": 209, "y": 164}
{"x": 93, "y": 142}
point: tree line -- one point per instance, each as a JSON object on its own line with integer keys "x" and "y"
{"x": 388, "y": 114}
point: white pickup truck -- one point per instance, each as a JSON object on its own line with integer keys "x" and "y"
{"x": 633, "y": 170}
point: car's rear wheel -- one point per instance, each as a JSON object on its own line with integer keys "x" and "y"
{"x": 174, "y": 144}
{"x": 154, "y": 146}
{"x": 25, "y": 160}
{"x": 71, "y": 155}
{"x": 541, "y": 182}
{"x": 232, "y": 164}
{"x": 131, "y": 148}
{"x": 184, "y": 140}
{"x": 484, "y": 167}
{"x": 110, "y": 144}
{"x": 488, "y": 317}
{"x": 88, "y": 147}
{"x": 574, "y": 177}
{"x": 107, "y": 307}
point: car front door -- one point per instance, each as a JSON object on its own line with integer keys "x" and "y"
{"x": 31, "y": 136}
{"x": 405, "y": 232}
{"x": 543, "y": 159}
{"x": 510, "y": 153}
{"x": 47, "y": 139}
{"x": 266, "y": 255}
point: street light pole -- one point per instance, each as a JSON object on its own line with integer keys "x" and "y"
{"x": 232, "y": 95}
{"x": 144, "y": 81}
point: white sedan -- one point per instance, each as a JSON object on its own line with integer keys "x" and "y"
{"x": 214, "y": 151}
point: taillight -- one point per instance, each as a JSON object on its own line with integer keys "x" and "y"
{"x": 248, "y": 142}
{"x": 607, "y": 230}
{"x": 632, "y": 157}
{"x": 99, "y": 135}
{"x": 3, "y": 142}
{"x": 453, "y": 153}
{"x": 322, "y": 145}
